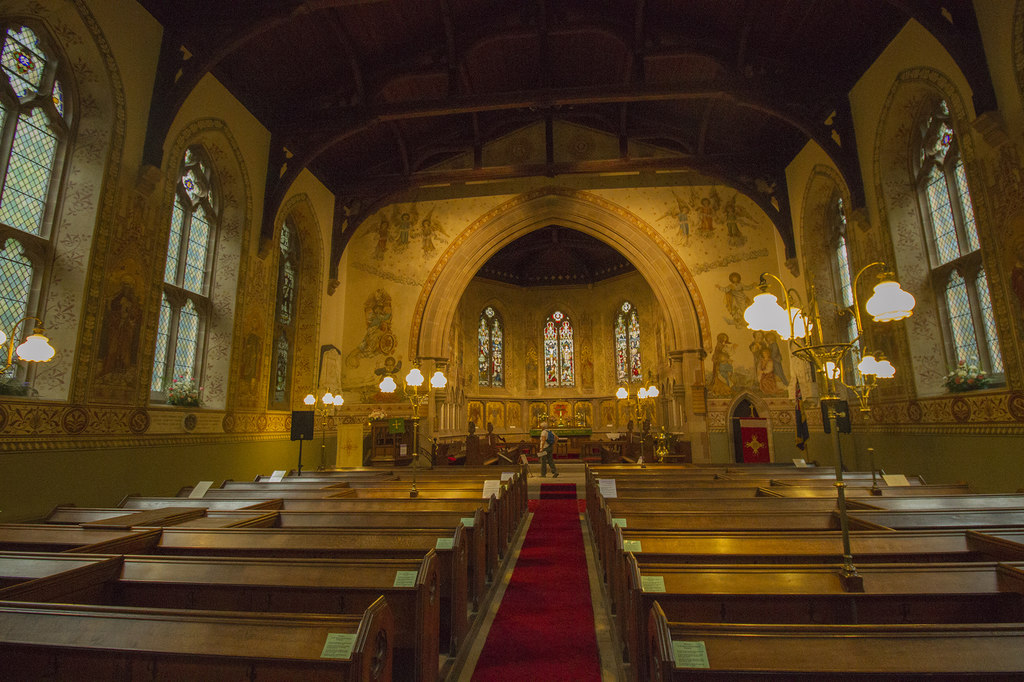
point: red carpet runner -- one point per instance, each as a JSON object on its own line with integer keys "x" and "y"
{"x": 544, "y": 628}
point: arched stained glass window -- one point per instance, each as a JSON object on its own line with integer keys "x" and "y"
{"x": 954, "y": 247}
{"x": 185, "y": 304}
{"x": 284, "y": 317}
{"x": 491, "y": 348}
{"x": 559, "y": 363}
{"x": 628, "y": 368}
{"x": 33, "y": 142}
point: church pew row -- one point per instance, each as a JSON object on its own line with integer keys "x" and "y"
{"x": 475, "y": 527}
{"x": 327, "y": 543}
{"x": 205, "y": 518}
{"x": 229, "y": 504}
{"x": 934, "y": 519}
{"x": 808, "y": 594}
{"x": 845, "y": 653}
{"x": 819, "y": 547}
{"x": 326, "y": 586}
{"x": 941, "y": 502}
{"x": 85, "y": 642}
{"x": 29, "y": 537}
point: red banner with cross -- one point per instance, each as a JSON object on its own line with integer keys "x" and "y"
{"x": 754, "y": 436}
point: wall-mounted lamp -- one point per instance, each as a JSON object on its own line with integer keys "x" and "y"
{"x": 33, "y": 348}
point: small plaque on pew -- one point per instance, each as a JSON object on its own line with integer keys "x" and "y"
{"x": 491, "y": 487}
{"x": 652, "y": 583}
{"x": 339, "y": 645}
{"x": 895, "y": 480}
{"x": 607, "y": 487}
{"x": 200, "y": 490}
{"x": 631, "y": 546}
{"x": 690, "y": 654}
{"x": 467, "y": 521}
{"x": 507, "y": 475}
{"x": 444, "y": 543}
{"x": 278, "y": 476}
{"x": 406, "y": 578}
{"x": 621, "y": 523}
{"x": 800, "y": 462}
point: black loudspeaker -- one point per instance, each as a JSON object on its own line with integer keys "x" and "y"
{"x": 302, "y": 424}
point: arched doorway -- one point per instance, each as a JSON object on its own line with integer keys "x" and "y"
{"x": 750, "y": 439}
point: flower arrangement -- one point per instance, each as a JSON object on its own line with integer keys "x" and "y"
{"x": 377, "y": 413}
{"x": 966, "y": 377}
{"x": 184, "y": 392}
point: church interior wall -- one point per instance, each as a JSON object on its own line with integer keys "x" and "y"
{"x": 100, "y": 430}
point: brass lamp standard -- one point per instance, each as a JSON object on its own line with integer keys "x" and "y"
{"x": 641, "y": 406}
{"x": 806, "y": 341}
{"x": 413, "y": 382}
{"x": 33, "y": 348}
{"x": 324, "y": 406}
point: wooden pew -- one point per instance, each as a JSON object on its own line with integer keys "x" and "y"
{"x": 328, "y": 543}
{"x": 84, "y": 642}
{"x": 900, "y": 593}
{"x": 329, "y": 586}
{"x": 29, "y": 537}
{"x": 114, "y": 518}
{"x": 229, "y": 504}
{"x": 865, "y": 491}
{"x": 991, "y": 651}
{"x": 21, "y": 567}
{"x": 936, "y": 519}
{"x": 974, "y": 501}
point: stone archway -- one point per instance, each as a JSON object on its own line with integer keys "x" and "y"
{"x": 684, "y": 317}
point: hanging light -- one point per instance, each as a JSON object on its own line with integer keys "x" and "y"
{"x": 890, "y": 302}
{"x": 868, "y": 366}
{"x": 36, "y": 348}
{"x": 801, "y": 325}
{"x": 388, "y": 385}
{"x": 765, "y": 314}
{"x": 885, "y": 369}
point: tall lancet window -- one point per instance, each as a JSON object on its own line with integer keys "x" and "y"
{"x": 185, "y": 306}
{"x": 284, "y": 317}
{"x": 33, "y": 141}
{"x": 559, "y": 367}
{"x": 958, "y": 273}
{"x": 491, "y": 348}
{"x": 627, "y": 345}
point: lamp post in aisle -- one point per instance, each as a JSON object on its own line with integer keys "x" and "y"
{"x": 412, "y": 391}
{"x": 641, "y": 406}
{"x": 806, "y": 341}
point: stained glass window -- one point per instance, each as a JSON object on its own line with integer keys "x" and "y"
{"x": 490, "y": 348}
{"x": 284, "y": 319}
{"x": 559, "y": 368}
{"x": 178, "y": 350}
{"x": 971, "y": 333}
{"x": 31, "y": 130}
{"x": 628, "y": 367}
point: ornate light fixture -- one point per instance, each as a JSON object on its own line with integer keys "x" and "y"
{"x": 806, "y": 341}
{"x": 327, "y": 402}
{"x": 641, "y": 408}
{"x": 33, "y": 348}
{"x": 413, "y": 383}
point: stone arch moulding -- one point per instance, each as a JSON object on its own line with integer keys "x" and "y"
{"x": 686, "y": 318}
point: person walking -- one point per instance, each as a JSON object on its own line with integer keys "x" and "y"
{"x": 548, "y": 438}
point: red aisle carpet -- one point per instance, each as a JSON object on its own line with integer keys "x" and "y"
{"x": 544, "y": 628}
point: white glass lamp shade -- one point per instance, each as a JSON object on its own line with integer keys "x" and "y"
{"x": 641, "y": 393}
{"x": 36, "y": 348}
{"x": 388, "y": 385}
{"x": 831, "y": 370}
{"x": 338, "y": 400}
{"x": 885, "y": 369}
{"x": 310, "y": 399}
{"x": 438, "y": 380}
{"x": 414, "y": 378}
{"x": 890, "y": 302}
{"x": 868, "y": 366}
{"x": 765, "y": 314}
{"x": 328, "y": 398}
{"x": 3, "y": 337}
{"x": 621, "y": 394}
{"x": 652, "y": 391}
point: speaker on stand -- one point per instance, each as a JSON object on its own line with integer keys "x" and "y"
{"x": 302, "y": 429}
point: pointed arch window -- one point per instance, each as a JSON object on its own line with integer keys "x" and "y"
{"x": 284, "y": 317}
{"x": 957, "y": 271}
{"x": 628, "y": 366}
{"x": 185, "y": 305}
{"x": 491, "y": 348}
{"x": 34, "y": 137}
{"x": 559, "y": 361}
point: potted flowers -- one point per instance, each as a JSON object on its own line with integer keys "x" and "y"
{"x": 967, "y": 376}
{"x": 183, "y": 392}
